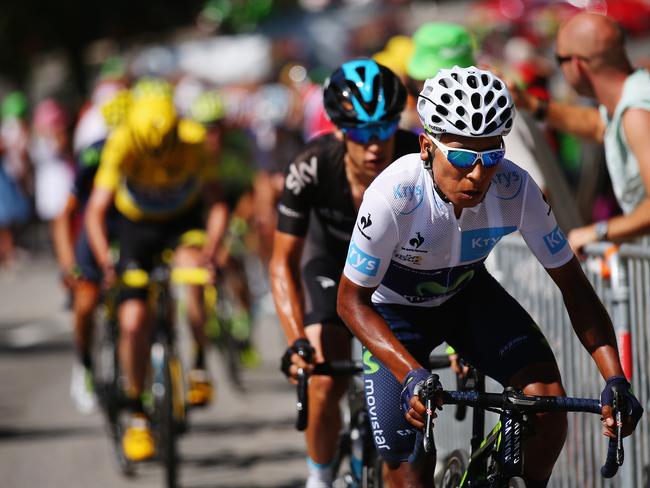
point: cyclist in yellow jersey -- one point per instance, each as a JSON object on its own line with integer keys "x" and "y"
{"x": 156, "y": 171}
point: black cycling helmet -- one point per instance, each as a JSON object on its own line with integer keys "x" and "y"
{"x": 363, "y": 92}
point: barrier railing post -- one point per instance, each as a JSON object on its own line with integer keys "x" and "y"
{"x": 620, "y": 297}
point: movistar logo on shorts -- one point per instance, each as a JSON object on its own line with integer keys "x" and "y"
{"x": 361, "y": 261}
{"x": 477, "y": 243}
{"x": 555, "y": 240}
{"x": 370, "y": 366}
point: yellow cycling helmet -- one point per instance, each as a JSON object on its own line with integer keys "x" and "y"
{"x": 116, "y": 109}
{"x": 208, "y": 108}
{"x": 147, "y": 87}
{"x": 153, "y": 123}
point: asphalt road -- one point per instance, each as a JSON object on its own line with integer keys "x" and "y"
{"x": 242, "y": 440}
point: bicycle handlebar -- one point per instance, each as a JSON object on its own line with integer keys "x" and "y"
{"x": 517, "y": 401}
{"x": 333, "y": 368}
{"x": 340, "y": 368}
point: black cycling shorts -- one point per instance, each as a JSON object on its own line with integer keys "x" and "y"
{"x": 141, "y": 243}
{"x": 320, "y": 276}
{"x": 483, "y": 323}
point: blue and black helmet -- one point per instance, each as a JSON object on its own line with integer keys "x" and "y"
{"x": 363, "y": 92}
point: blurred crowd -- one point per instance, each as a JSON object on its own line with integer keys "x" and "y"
{"x": 43, "y": 142}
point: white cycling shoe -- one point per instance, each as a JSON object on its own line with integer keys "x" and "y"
{"x": 82, "y": 390}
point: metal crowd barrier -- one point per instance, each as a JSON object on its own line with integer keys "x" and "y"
{"x": 621, "y": 278}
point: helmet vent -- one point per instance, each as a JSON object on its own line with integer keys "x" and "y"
{"x": 485, "y": 79}
{"x": 471, "y": 81}
{"x": 427, "y": 90}
{"x": 460, "y": 111}
{"x": 477, "y": 121}
{"x": 476, "y": 100}
{"x": 502, "y": 101}
{"x": 456, "y": 77}
{"x": 444, "y": 83}
{"x": 459, "y": 94}
{"x": 509, "y": 123}
{"x": 491, "y": 113}
{"x": 460, "y": 125}
{"x": 446, "y": 98}
{"x": 497, "y": 85}
{"x": 442, "y": 110}
{"x": 505, "y": 115}
{"x": 491, "y": 127}
{"x": 489, "y": 96}
{"x": 435, "y": 119}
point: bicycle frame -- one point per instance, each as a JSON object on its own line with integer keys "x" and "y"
{"x": 500, "y": 455}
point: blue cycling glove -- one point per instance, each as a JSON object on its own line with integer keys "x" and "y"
{"x": 413, "y": 378}
{"x": 632, "y": 406}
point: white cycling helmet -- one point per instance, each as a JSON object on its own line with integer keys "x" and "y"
{"x": 466, "y": 101}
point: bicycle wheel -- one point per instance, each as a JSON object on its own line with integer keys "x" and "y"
{"x": 106, "y": 378}
{"x": 166, "y": 406}
{"x": 372, "y": 472}
{"x": 457, "y": 463}
{"x": 516, "y": 483}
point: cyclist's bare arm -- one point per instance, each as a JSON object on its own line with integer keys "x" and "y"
{"x": 217, "y": 221}
{"x": 62, "y": 236}
{"x": 588, "y": 317}
{"x": 98, "y": 206}
{"x": 590, "y": 321}
{"x": 354, "y": 306}
{"x": 286, "y": 283}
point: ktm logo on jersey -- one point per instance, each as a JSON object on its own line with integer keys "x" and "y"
{"x": 301, "y": 174}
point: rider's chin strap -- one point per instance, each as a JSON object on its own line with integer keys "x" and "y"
{"x": 428, "y": 165}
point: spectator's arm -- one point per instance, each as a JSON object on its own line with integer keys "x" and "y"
{"x": 636, "y": 124}
{"x": 578, "y": 120}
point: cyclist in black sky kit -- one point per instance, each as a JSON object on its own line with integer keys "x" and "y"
{"x": 323, "y": 189}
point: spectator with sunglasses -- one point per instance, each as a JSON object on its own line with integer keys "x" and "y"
{"x": 323, "y": 188}
{"x": 416, "y": 277}
{"x": 591, "y": 54}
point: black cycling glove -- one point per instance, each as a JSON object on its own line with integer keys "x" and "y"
{"x": 632, "y": 407}
{"x": 302, "y": 348}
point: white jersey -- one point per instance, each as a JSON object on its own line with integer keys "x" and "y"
{"x": 409, "y": 243}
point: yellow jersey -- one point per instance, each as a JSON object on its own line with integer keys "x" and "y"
{"x": 156, "y": 188}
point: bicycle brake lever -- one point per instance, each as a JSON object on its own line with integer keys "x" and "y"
{"x": 618, "y": 418}
{"x": 301, "y": 403}
{"x": 429, "y": 389}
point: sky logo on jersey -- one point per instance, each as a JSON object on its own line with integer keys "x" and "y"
{"x": 362, "y": 262}
{"x": 413, "y": 194}
{"x": 555, "y": 240}
{"x": 301, "y": 174}
{"x": 477, "y": 243}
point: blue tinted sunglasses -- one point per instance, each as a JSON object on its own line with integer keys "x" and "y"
{"x": 465, "y": 158}
{"x": 363, "y": 135}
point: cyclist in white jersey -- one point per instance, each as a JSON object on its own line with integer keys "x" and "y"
{"x": 415, "y": 277}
